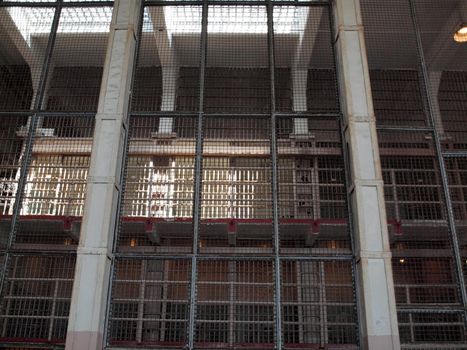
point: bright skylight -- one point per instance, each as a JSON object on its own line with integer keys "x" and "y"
{"x": 230, "y": 19}
{"x": 38, "y": 21}
{"x": 178, "y": 20}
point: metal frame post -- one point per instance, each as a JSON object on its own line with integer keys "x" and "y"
{"x": 275, "y": 209}
{"x": 198, "y": 181}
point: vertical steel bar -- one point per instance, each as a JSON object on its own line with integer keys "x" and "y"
{"x": 275, "y": 209}
{"x": 198, "y": 178}
{"x": 440, "y": 159}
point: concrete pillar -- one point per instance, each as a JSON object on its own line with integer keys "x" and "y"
{"x": 306, "y": 19}
{"x": 92, "y": 274}
{"x": 170, "y": 68}
{"x": 434, "y": 81}
{"x": 376, "y": 290}
{"x": 299, "y": 82}
{"x": 169, "y": 95}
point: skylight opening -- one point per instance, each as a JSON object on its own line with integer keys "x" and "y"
{"x": 38, "y": 21}
{"x": 229, "y": 19}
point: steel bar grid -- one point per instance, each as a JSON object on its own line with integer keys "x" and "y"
{"x": 418, "y": 222}
{"x": 417, "y": 110}
{"x": 36, "y": 298}
{"x": 226, "y": 143}
{"x": 312, "y": 195}
{"x": 446, "y": 195}
{"x": 53, "y": 199}
{"x": 236, "y": 189}
{"x": 430, "y": 328}
{"x": 318, "y": 303}
{"x": 150, "y": 302}
{"x": 48, "y": 150}
{"x": 235, "y": 303}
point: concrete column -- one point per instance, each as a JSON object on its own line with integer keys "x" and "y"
{"x": 170, "y": 68}
{"x": 434, "y": 80}
{"x": 376, "y": 289}
{"x": 92, "y": 274}
{"x": 299, "y": 81}
{"x": 169, "y": 94}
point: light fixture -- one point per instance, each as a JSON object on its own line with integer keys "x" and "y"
{"x": 461, "y": 33}
{"x": 402, "y": 261}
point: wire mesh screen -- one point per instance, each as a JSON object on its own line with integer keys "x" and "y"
{"x": 312, "y": 195}
{"x": 237, "y": 75}
{"x": 54, "y": 194}
{"x": 423, "y": 262}
{"x": 78, "y": 58}
{"x": 456, "y": 168}
{"x": 158, "y": 198}
{"x": 446, "y": 67}
{"x": 305, "y": 77}
{"x": 318, "y": 305}
{"x": 167, "y": 72}
{"x": 24, "y": 35}
{"x": 36, "y": 298}
{"x": 393, "y": 60}
{"x": 445, "y": 328}
{"x": 13, "y": 130}
{"x": 150, "y": 302}
{"x": 236, "y": 200}
{"x": 235, "y": 305}
{"x": 233, "y": 292}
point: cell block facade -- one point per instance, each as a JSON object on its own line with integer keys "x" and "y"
{"x": 231, "y": 226}
{"x": 416, "y": 93}
{"x": 51, "y": 78}
{"x": 206, "y": 243}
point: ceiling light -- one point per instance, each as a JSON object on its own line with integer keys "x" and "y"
{"x": 461, "y": 33}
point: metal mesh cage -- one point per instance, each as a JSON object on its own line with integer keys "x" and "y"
{"x": 418, "y": 82}
{"x": 77, "y": 60}
{"x": 223, "y": 154}
{"x": 446, "y": 68}
{"x": 36, "y": 298}
{"x": 55, "y": 188}
{"x": 429, "y": 328}
{"x": 11, "y": 157}
{"x": 236, "y": 198}
{"x": 318, "y": 305}
{"x": 237, "y": 74}
{"x": 423, "y": 261}
{"x": 47, "y": 168}
{"x": 24, "y": 35}
{"x": 167, "y": 72}
{"x": 150, "y": 302}
{"x": 456, "y": 168}
{"x": 157, "y": 206}
{"x": 235, "y": 305}
{"x": 311, "y": 195}
{"x": 305, "y": 78}
{"x": 396, "y": 83}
